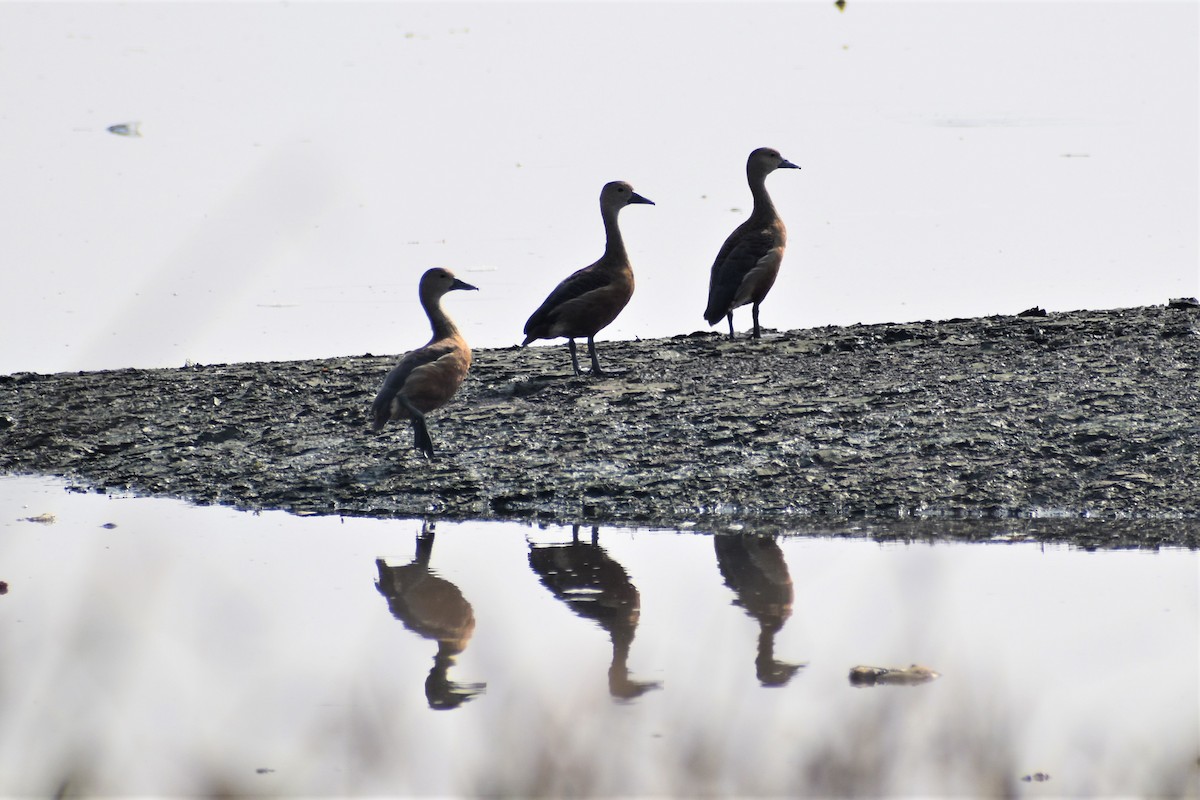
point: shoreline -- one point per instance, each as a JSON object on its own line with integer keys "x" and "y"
{"x": 999, "y": 428}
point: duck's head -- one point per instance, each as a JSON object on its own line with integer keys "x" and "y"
{"x": 437, "y": 281}
{"x": 765, "y": 160}
{"x": 619, "y": 194}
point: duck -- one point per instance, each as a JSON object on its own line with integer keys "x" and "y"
{"x": 426, "y": 378}
{"x": 588, "y": 300}
{"x": 748, "y": 262}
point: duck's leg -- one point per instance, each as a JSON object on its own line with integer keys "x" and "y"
{"x": 574, "y": 357}
{"x": 729, "y": 316}
{"x": 754, "y": 312}
{"x": 596, "y": 371}
{"x": 421, "y": 436}
{"x": 420, "y": 430}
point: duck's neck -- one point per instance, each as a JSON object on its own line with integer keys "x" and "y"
{"x": 763, "y": 207}
{"x": 614, "y": 245}
{"x": 442, "y": 326}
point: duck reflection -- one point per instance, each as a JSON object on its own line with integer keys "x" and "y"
{"x": 595, "y": 587}
{"x": 434, "y": 608}
{"x": 753, "y": 567}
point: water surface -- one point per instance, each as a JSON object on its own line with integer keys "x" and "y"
{"x": 152, "y": 647}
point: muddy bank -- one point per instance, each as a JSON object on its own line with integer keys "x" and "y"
{"x": 979, "y": 424}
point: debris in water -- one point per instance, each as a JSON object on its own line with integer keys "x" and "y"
{"x": 44, "y": 519}
{"x": 873, "y": 676}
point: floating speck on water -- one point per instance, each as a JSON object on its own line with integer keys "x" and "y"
{"x": 126, "y": 129}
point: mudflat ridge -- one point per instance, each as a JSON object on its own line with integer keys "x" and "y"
{"x": 1081, "y": 426}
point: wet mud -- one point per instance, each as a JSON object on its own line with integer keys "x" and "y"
{"x": 1080, "y": 427}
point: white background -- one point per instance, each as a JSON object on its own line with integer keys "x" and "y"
{"x": 302, "y": 164}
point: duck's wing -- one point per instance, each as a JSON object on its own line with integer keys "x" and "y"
{"x": 573, "y": 287}
{"x": 738, "y": 257}
{"x": 412, "y": 366}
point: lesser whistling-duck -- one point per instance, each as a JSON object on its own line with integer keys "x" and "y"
{"x": 428, "y": 377}
{"x": 591, "y": 298}
{"x": 748, "y": 262}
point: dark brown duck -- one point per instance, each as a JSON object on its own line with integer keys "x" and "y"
{"x": 748, "y": 262}
{"x": 591, "y": 298}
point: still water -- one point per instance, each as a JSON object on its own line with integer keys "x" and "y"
{"x": 301, "y": 164}
{"x": 151, "y": 647}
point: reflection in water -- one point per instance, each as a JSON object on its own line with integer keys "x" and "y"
{"x": 596, "y": 587}
{"x": 1027, "y": 629}
{"x": 434, "y": 608}
{"x": 754, "y": 568}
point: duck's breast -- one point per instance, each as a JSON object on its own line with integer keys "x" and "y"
{"x": 432, "y": 384}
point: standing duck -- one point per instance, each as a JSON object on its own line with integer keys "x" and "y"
{"x": 748, "y": 262}
{"x": 591, "y": 298}
{"x": 428, "y": 377}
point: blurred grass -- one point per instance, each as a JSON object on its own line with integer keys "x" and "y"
{"x": 880, "y": 751}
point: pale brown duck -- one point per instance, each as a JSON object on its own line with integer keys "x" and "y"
{"x": 428, "y": 377}
{"x": 748, "y": 262}
{"x": 590, "y": 299}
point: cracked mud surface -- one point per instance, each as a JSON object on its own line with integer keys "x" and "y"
{"x": 1087, "y": 421}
